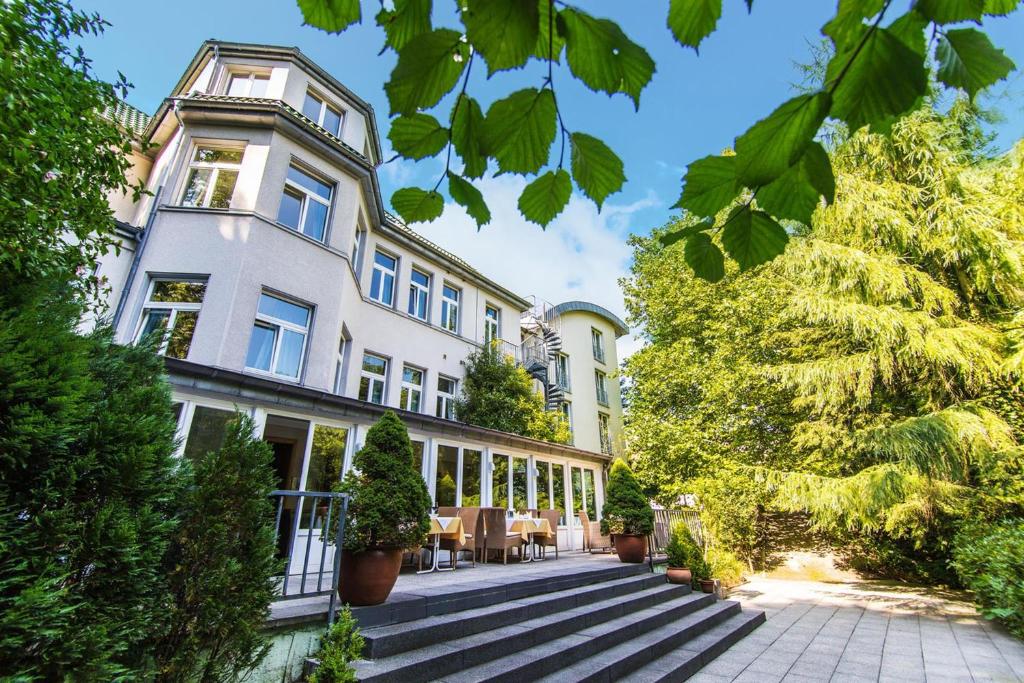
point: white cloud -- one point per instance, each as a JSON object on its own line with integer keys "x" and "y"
{"x": 581, "y": 255}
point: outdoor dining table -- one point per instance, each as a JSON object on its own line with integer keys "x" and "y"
{"x": 449, "y": 528}
{"x": 528, "y": 527}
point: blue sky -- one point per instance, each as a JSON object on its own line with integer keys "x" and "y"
{"x": 695, "y": 105}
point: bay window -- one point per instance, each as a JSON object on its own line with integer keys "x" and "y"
{"x": 278, "y": 340}
{"x": 212, "y": 174}
{"x": 305, "y": 204}
{"x": 328, "y": 117}
{"x": 248, "y": 84}
{"x": 172, "y": 308}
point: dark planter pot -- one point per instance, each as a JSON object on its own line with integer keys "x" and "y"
{"x": 368, "y": 576}
{"x": 631, "y": 548}
{"x": 707, "y": 585}
{"x": 680, "y": 575}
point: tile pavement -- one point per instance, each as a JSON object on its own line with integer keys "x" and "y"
{"x": 864, "y": 631}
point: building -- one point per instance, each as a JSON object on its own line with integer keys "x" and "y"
{"x": 288, "y": 291}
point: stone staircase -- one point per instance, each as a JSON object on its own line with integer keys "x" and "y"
{"x": 618, "y": 623}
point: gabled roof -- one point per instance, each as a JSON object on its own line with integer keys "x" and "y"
{"x": 587, "y": 307}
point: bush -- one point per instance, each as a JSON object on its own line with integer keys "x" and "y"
{"x": 684, "y": 553}
{"x": 626, "y": 509}
{"x": 725, "y": 566}
{"x": 341, "y": 645}
{"x": 390, "y": 503}
{"x": 990, "y": 562}
{"x": 732, "y": 512}
{"x": 222, "y": 565}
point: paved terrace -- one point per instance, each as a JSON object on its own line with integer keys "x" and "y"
{"x": 861, "y": 632}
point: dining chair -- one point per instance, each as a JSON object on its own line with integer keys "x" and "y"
{"x": 497, "y": 536}
{"x": 447, "y": 512}
{"x": 473, "y": 524}
{"x": 545, "y": 540}
{"x": 592, "y": 536}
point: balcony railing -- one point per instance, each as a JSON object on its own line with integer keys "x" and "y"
{"x": 310, "y": 529}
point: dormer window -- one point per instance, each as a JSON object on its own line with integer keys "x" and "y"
{"x": 322, "y": 114}
{"x": 248, "y": 84}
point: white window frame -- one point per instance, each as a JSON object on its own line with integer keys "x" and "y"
{"x": 324, "y": 106}
{"x": 250, "y": 76}
{"x": 309, "y": 195}
{"x": 604, "y": 434}
{"x": 339, "y": 367}
{"x": 562, "y": 378}
{"x": 358, "y": 242}
{"x": 446, "y": 399}
{"x": 597, "y": 344}
{"x": 601, "y": 387}
{"x": 408, "y": 388}
{"x": 492, "y": 326}
{"x": 566, "y": 410}
{"x": 415, "y": 290}
{"x": 215, "y": 167}
{"x": 450, "y": 308}
{"x": 384, "y": 272}
{"x": 271, "y": 321}
{"x": 174, "y": 307}
{"x": 374, "y": 377}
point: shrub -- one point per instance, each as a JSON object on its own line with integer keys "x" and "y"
{"x": 990, "y": 562}
{"x": 341, "y": 645}
{"x": 389, "y": 503}
{"x": 222, "y": 565}
{"x": 725, "y": 566}
{"x": 683, "y": 552}
{"x": 626, "y": 509}
{"x": 732, "y": 512}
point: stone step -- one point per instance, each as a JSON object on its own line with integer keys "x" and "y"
{"x": 591, "y": 641}
{"x": 467, "y": 657}
{"x": 389, "y": 640}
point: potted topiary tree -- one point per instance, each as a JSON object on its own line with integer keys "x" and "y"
{"x": 683, "y": 555}
{"x": 388, "y": 513}
{"x": 626, "y": 514}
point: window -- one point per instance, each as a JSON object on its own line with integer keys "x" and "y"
{"x": 446, "y": 397}
{"x": 566, "y": 410}
{"x": 597, "y": 341}
{"x": 562, "y": 371}
{"x": 499, "y": 481}
{"x": 469, "y": 489}
{"x": 558, "y": 487}
{"x": 492, "y": 323}
{"x": 412, "y": 389}
{"x": 602, "y": 432}
{"x": 211, "y": 177}
{"x": 173, "y": 309}
{"x": 248, "y": 84}
{"x": 324, "y": 115}
{"x": 373, "y": 379}
{"x": 278, "y": 337}
{"x": 382, "y": 285}
{"x": 339, "y": 367}
{"x": 447, "y": 475}
{"x": 207, "y": 430}
{"x": 305, "y": 204}
{"x": 357, "y": 248}
{"x": 601, "y": 383}
{"x": 450, "y": 308}
{"x": 419, "y": 294}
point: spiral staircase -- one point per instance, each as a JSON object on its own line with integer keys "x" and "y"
{"x": 541, "y": 346}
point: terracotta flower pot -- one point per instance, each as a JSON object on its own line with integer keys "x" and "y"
{"x": 707, "y": 585}
{"x": 368, "y": 576}
{"x": 680, "y": 575}
{"x": 631, "y": 548}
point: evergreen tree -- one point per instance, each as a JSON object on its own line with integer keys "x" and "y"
{"x": 222, "y": 564}
{"x": 626, "y": 509}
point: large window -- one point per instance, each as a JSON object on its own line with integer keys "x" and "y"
{"x": 519, "y": 497}
{"x": 450, "y": 308}
{"x": 172, "y": 308}
{"x": 418, "y": 454}
{"x": 471, "y": 460}
{"x": 447, "y": 475}
{"x": 373, "y": 379}
{"x": 543, "y": 485}
{"x": 562, "y": 371}
{"x": 323, "y": 114}
{"x": 207, "y": 430}
{"x": 212, "y": 174}
{"x": 446, "y": 387}
{"x": 412, "y": 389}
{"x": 558, "y": 488}
{"x": 601, "y": 385}
{"x": 278, "y": 340}
{"x": 590, "y": 495}
{"x": 419, "y": 294}
{"x": 305, "y": 204}
{"x": 499, "y": 481}
{"x": 603, "y": 434}
{"x": 597, "y": 342}
{"x": 248, "y": 84}
{"x": 492, "y": 323}
{"x": 566, "y": 410}
{"x": 382, "y": 284}
{"x": 326, "y": 457}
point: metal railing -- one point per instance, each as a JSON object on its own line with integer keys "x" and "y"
{"x": 311, "y": 538}
{"x": 665, "y": 519}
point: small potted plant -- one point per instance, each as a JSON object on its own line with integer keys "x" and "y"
{"x": 626, "y": 514}
{"x": 388, "y": 513}
{"x": 683, "y": 554}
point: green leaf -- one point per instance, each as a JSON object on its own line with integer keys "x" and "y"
{"x": 704, "y": 257}
{"x": 595, "y": 167}
{"x": 673, "y": 236}
{"x": 504, "y": 32}
{"x": 691, "y": 21}
{"x": 545, "y": 197}
{"x": 333, "y": 16}
{"x": 417, "y": 136}
{"x": 549, "y": 41}
{"x": 519, "y": 130}
{"x": 909, "y": 28}
{"x": 463, "y": 192}
{"x": 428, "y": 67}
{"x": 950, "y": 11}
{"x": 848, "y": 23}
{"x": 467, "y": 135}
{"x": 796, "y": 193}
{"x": 709, "y": 185}
{"x": 881, "y": 81}
{"x": 752, "y": 237}
{"x": 415, "y": 205}
{"x": 603, "y": 57}
{"x": 409, "y": 19}
{"x": 967, "y": 59}
{"x": 1001, "y": 8}
{"x": 772, "y": 145}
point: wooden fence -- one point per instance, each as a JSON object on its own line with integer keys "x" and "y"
{"x": 664, "y": 519}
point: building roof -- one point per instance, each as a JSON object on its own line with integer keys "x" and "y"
{"x": 128, "y": 117}
{"x": 587, "y": 307}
